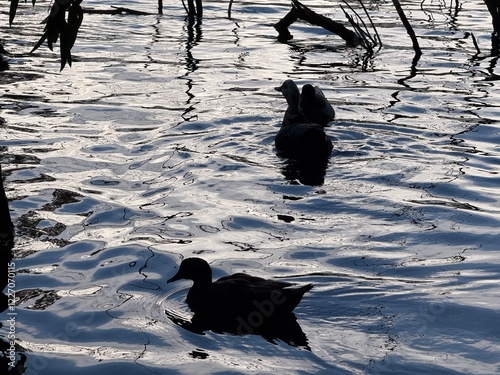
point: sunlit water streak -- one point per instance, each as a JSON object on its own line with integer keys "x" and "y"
{"x": 158, "y": 144}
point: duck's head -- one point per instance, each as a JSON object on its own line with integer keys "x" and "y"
{"x": 289, "y": 90}
{"x": 195, "y": 269}
{"x": 308, "y": 92}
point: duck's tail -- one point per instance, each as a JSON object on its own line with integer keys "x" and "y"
{"x": 305, "y": 288}
{"x": 293, "y": 296}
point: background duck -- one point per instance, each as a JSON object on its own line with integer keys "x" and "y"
{"x": 237, "y": 296}
{"x": 299, "y": 138}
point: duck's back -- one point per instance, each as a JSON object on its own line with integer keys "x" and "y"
{"x": 315, "y": 106}
{"x": 239, "y": 295}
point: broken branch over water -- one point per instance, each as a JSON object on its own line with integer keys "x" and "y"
{"x": 360, "y": 35}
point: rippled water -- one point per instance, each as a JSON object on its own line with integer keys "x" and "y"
{"x": 158, "y": 144}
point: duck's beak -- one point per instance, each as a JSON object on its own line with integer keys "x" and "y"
{"x": 280, "y": 88}
{"x": 176, "y": 277}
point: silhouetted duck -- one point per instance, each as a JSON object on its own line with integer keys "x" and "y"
{"x": 239, "y": 297}
{"x": 315, "y": 106}
{"x": 298, "y": 137}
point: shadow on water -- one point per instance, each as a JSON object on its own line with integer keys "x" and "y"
{"x": 285, "y": 328}
{"x": 8, "y": 360}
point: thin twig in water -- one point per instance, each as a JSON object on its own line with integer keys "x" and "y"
{"x": 474, "y": 41}
{"x": 364, "y": 35}
{"x": 185, "y": 7}
{"x": 409, "y": 29}
{"x": 372, "y": 24}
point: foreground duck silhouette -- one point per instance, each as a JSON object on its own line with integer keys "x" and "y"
{"x": 300, "y": 138}
{"x": 240, "y": 298}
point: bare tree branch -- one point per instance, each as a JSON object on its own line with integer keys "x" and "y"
{"x": 409, "y": 29}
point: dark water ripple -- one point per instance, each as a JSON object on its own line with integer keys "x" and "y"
{"x": 159, "y": 145}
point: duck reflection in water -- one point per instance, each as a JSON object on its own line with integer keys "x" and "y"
{"x": 307, "y": 172}
{"x": 240, "y": 304}
{"x": 301, "y": 138}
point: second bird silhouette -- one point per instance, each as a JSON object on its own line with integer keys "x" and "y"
{"x": 302, "y": 136}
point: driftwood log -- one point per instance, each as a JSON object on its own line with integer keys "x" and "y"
{"x": 304, "y": 13}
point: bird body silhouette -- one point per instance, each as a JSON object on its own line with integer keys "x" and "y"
{"x": 238, "y": 296}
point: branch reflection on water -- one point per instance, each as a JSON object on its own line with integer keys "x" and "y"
{"x": 194, "y": 35}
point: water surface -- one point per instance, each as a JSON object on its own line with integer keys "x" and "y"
{"x": 158, "y": 144}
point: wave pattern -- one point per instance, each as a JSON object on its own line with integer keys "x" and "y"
{"x": 158, "y": 144}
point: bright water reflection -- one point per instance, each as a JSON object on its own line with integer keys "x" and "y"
{"x": 158, "y": 144}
